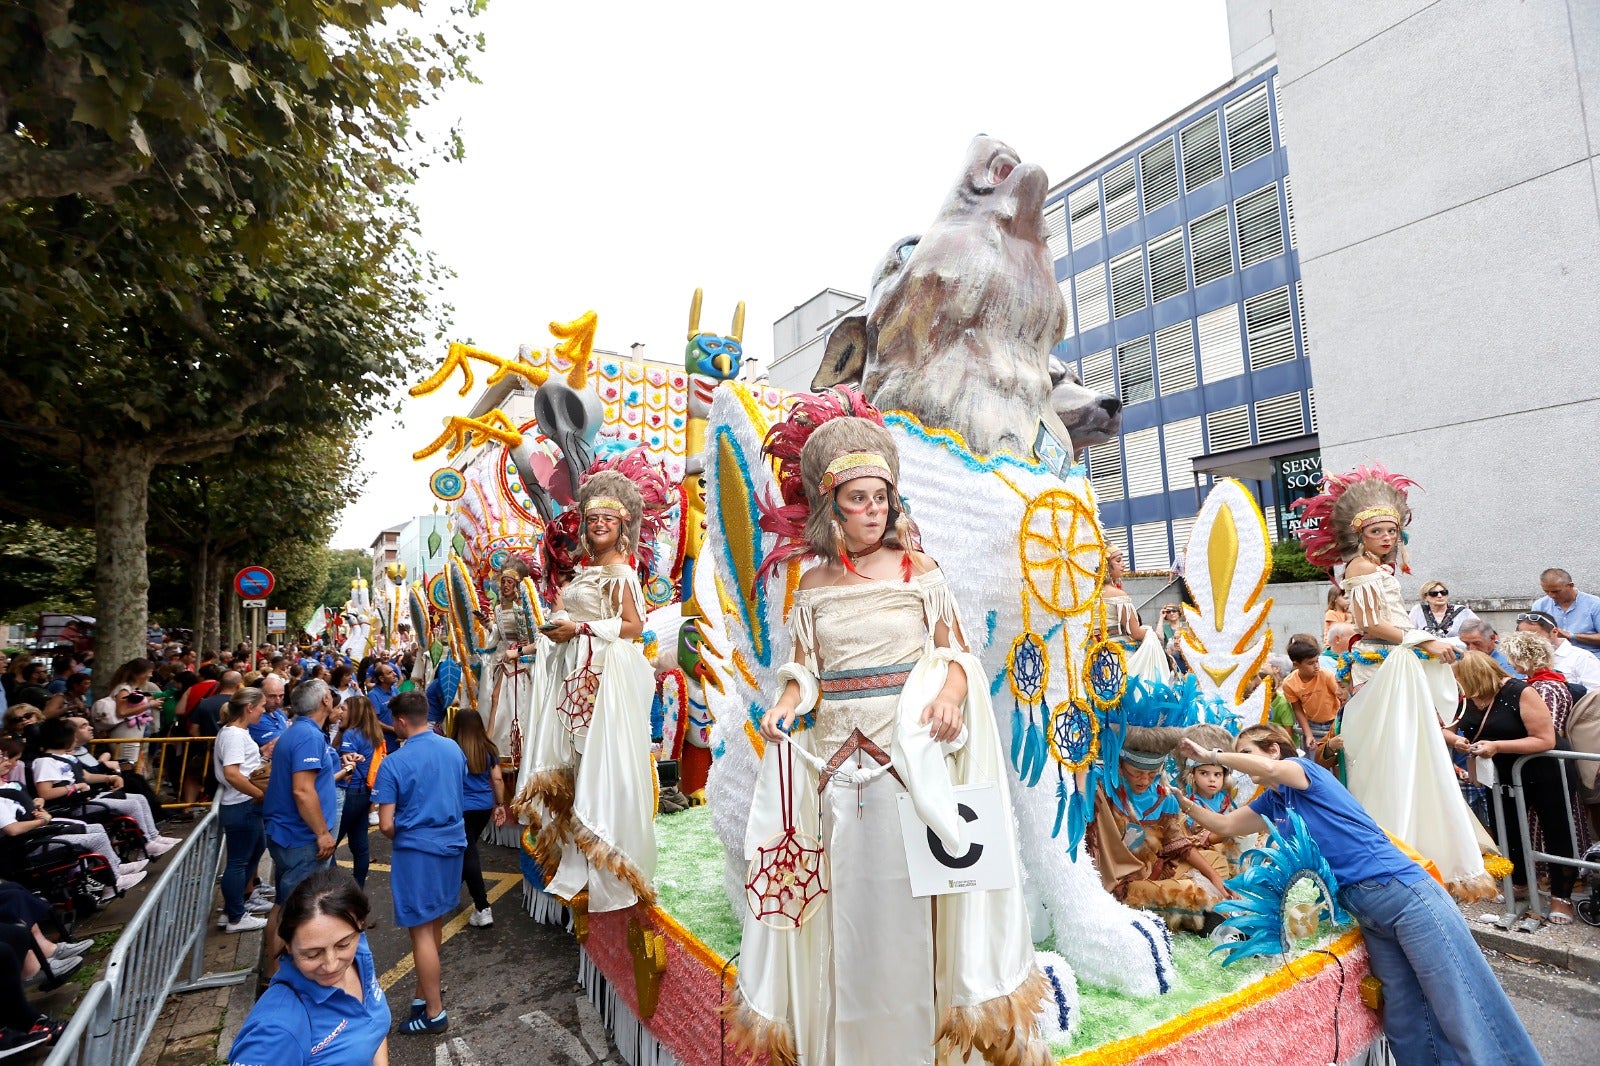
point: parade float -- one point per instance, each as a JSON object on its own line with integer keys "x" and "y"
{"x": 987, "y": 439}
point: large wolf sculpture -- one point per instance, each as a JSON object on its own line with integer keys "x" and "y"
{"x": 957, "y": 334}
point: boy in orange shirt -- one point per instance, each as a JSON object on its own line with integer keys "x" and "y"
{"x": 1312, "y": 692}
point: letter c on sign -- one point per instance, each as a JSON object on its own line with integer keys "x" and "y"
{"x": 943, "y": 856}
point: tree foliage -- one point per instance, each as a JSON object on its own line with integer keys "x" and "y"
{"x": 343, "y": 565}
{"x": 204, "y": 236}
{"x": 45, "y": 569}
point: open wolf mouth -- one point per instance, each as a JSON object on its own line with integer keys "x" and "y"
{"x": 1001, "y": 165}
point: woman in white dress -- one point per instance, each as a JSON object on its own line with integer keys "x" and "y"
{"x": 874, "y": 975}
{"x": 589, "y": 778}
{"x": 1398, "y": 766}
{"x": 505, "y": 679}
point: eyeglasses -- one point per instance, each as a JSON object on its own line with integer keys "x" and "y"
{"x": 1537, "y": 619}
{"x": 1439, "y": 592}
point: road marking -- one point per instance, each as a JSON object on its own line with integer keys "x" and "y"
{"x": 503, "y": 884}
{"x": 551, "y": 1034}
{"x": 378, "y": 866}
{"x": 462, "y": 1056}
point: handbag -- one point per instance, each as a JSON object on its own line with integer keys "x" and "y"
{"x": 262, "y": 774}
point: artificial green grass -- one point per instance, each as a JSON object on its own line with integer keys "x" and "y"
{"x": 689, "y": 865}
{"x": 689, "y": 869}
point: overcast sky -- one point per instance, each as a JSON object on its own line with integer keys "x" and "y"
{"x": 621, "y": 154}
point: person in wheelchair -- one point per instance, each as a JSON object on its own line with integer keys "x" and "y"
{"x": 60, "y": 779}
{"x": 33, "y": 835}
{"x": 133, "y": 782}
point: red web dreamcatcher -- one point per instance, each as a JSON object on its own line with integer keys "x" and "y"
{"x": 575, "y": 703}
{"x": 786, "y": 881}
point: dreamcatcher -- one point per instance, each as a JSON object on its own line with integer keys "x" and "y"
{"x": 1074, "y": 735}
{"x": 1105, "y": 668}
{"x": 787, "y": 879}
{"x": 1029, "y": 668}
{"x": 575, "y": 700}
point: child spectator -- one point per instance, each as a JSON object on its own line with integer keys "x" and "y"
{"x": 1312, "y": 692}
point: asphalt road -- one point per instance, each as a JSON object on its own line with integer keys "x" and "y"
{"x": 511, "y": 989}
{"x": 513, "y": 994}
{"x": 1562, "y": 1012}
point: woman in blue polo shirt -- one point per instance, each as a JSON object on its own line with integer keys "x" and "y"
{"x": 325, "y": 1000}
{"x": 1439, "y": 993}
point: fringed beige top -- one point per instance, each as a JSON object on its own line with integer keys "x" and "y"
{"x": 855, "y": 635}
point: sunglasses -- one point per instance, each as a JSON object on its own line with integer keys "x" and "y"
{"x": 1537, "y": 619}
{"x": 1440, "y": 592}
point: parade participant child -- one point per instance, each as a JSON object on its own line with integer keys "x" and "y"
{"x": 1312, "y": 692}
{"x": 1145, "y": 857}
{"x": 880, "y": 656}
{"x": 482, "y": 798}
{"x": 1442, "y": 1003}
{"x": 419, "y": 808}
{"x": 1211, "y": 785}
{"x": 1395, "y": 755}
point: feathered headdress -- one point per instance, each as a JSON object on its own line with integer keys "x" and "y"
{"x": 834, "y": 427}
{"x": 560, "y": 551}
{"x": 656, "y": 499}
{"x": 1331, "y": 532}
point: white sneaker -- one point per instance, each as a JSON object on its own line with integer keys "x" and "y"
{"x": 248, "y": 923}
{"x": 134, "y": 867}
{"x": 482, "y": 918}
{"x": 372, "y": 817}
{"x": 158, "y": 847}
{"x": 127, "y": 881}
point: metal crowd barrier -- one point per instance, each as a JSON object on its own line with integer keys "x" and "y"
{"x": 1537, "y": 903}
{"x": 160, "y": 952}
{"x": 188, "y": 759}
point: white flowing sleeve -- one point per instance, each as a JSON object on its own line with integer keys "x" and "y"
{"x": 939, "y": 605}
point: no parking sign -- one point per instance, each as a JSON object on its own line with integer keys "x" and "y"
{"x": 986, "y": 861}
{"x": 254, "y": 583}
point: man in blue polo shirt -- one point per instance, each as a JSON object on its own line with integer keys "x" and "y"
{"x": 299, "y": 803}
{"x": 1577, "y": 614}
{"x": 273, "y": 721}
{"x": 418, "y": 794}
{"x": 382, "y": 691}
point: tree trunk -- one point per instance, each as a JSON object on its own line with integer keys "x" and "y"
{"x": 199, "y": 589}
{"x": 213, "y": 616}
{"x": 119, "y": 478}
{"x": 235, "y": 623}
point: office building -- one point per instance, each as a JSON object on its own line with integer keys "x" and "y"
{"x": 1177, "y": 257}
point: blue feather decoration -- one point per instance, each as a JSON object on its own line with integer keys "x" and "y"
{"x": 1262, "y": 889}
{"x": 1035, "y": 751}
{"x": 1061, "y": 806}
{"x": 1078, "y": 811}
{"x": 1016, "y": 737}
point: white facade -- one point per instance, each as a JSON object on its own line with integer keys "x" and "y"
{"x": 1448, "y": 193}
{"x": 799, "y": 337}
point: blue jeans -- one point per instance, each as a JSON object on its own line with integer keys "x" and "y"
{"x": 290, "y": 866}
{"x": 353, "y": 824}
{"x": 247, "y": 839}
{"x": 1441, "y": 1002}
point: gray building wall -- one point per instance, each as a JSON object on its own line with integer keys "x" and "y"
{"x": 1448, "y": 199}
{"x": 1249, "y": 34}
